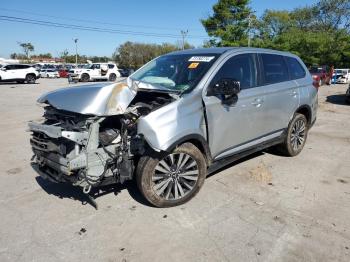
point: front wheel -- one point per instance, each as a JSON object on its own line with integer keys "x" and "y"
{"x": 173, "y": 178}
{"x": 296, "y": 136}
{"x": 85, "y": 78}
{"x": 30, "y": 79}
{"x": 112, "y": 77}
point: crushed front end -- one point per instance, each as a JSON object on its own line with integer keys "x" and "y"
{"x": 84, "y": 150}
{"x": 92, "y": 149}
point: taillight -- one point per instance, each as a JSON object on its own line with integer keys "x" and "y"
{"x": 316, "y": 82}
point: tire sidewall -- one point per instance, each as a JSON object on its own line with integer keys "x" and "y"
{"x": 85, "y": 77}
{"x": 288, "y": 144}
{"x": 30, "y": 79}
{"x": 112, "y": 77}
{"x": 146, "y": 169}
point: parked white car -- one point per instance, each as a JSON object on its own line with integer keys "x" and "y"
{"x": 18, "y": 73}
{"x": 96, "y": 71}
{"x": 49, "y": 73}
{"x": 344, "y": 77}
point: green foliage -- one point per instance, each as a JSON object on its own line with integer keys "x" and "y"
{"x": 229, "y": 22}
{"x": 134, "y": 55}
{"x": 47, "y": 55}
{"x": 319, "y": 33}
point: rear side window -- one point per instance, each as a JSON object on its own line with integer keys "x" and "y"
{"x": 275, "y": 69}
{"x": 296, "y": 70}
{"x": 110, "y": 66}
{"x": 241, "y": 68}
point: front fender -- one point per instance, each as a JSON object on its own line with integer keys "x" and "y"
{"x": 171, "y": 123}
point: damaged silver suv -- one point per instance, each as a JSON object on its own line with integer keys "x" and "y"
{"x": 177, "y": 119}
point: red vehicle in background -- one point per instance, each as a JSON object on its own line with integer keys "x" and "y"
{"x": 63, "y": 73}
{"x": 321, "y": 75}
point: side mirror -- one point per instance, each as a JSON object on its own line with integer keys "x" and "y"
{"x": 226, "y": 87}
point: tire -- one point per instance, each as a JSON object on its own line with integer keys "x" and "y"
{"x": 85, "y": 78}
{"x": 164, "y": 188}
{"x": 112, "y": 77}
{"x": 30, "y": 79}
{"x": 296, "y": 136}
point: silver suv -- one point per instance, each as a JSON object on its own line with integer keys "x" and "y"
{"x": 177, "y": 119}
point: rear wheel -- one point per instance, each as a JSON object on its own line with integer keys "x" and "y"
{"x": 173, "y": 178}
{"x": 85, "y": 78}
{"x": 30, "y": 79}
{"x": 296, "y": 136}
{"x": 112, "y": 77}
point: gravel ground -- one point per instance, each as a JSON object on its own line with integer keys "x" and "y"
{"x": 263, "y": 208}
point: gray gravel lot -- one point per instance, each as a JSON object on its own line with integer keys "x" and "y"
{"x": 264, "y": 208}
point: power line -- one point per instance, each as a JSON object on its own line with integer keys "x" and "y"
{"x": 89, "y": 28}
{"x": 94, "y": 21}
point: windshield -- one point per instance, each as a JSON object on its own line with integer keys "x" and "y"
{"x": 175, "y": 72}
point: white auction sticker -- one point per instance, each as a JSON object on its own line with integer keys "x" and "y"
{"x": 201, "y": 58}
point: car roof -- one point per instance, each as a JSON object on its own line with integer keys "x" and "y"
{"x": 222, "y": 50}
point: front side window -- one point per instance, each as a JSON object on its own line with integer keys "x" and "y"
{"x": 241, "y": 68}
{"x": 275, "y": 69}
{"x": 10, "y": 67}
{"x": 296, "y": 71}
{"x": 175, "y": 72}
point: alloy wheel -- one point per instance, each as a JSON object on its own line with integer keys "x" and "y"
{"x": 175, "y": 176}
{"x": 298, "y": 134}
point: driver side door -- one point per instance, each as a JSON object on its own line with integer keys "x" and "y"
{"x": 232, "y": 128}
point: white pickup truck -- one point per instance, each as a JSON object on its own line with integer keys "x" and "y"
{"x": 96, "y": 71}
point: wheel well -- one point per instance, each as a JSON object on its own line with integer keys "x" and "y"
{"x": 305, "y": 110}
{"x": 204, "y": 148}
{"x": 32, "y": 74}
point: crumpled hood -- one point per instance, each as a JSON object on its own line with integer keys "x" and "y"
{"x": 102, "y": 99}
{"x": 97, "y": 99}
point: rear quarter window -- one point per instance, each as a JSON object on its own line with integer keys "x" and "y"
{"x": 274, "y": 69}
{"x": 296, "y": 70}
{"x": 110, "y": 66}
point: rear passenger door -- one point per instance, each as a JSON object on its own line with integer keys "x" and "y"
{"x": 281, "y": 93}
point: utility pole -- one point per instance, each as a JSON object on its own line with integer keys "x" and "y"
{"x": 183, "y": 34}
{"x": 76, "y": 51}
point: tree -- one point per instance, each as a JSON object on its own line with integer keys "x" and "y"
{"x": 64, "y": 55}
{"x": 134, "y": 55}
{"x": 229, "y": 23}
{"x": 27, "y": 47}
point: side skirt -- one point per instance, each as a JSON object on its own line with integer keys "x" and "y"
{"x": 246, "y": 152}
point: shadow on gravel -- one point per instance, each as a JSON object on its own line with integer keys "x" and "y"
{"x": 337, "y": 99}
{"x": 65, "y": 190}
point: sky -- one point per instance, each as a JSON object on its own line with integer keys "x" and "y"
{"x": 147, "y": 21}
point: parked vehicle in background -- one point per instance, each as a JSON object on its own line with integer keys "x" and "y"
{"x": 342, "y": 76}
{"x": 49, "y": 73}
{"x": 321, "y": 75}
{"x": 63, "y": 73}
{"x": 125, "y": 72}
{"x": 347, "y": 95}
{"x": 176, "y": 119}
{"x": 19, "y": 73}
{"x": 96, "y": 71}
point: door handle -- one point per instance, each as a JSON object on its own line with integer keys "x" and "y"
{"x": 257, "y": 102}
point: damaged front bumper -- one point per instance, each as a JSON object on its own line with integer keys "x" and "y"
{"x": 78, "y": 157}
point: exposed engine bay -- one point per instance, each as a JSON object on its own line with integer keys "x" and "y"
{"x": 89, "y": 150}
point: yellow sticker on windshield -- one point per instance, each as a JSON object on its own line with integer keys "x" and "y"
{"x": 193, "y": 65}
